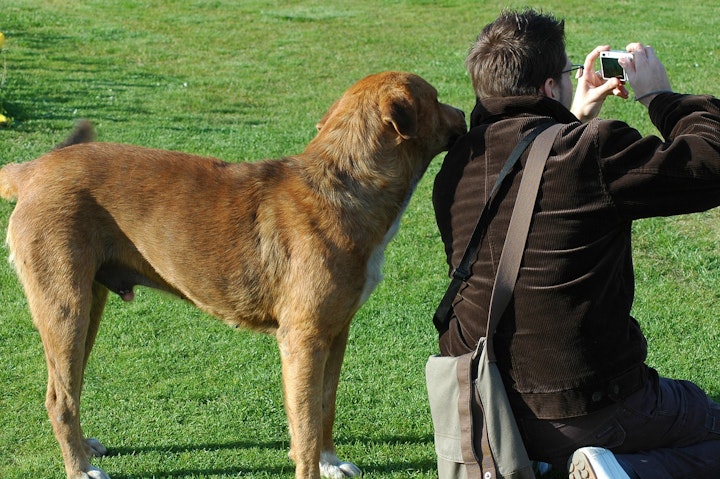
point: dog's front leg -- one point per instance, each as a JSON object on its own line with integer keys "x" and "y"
{"x": 303, "y": 363}
{"x": 330, "y": 465}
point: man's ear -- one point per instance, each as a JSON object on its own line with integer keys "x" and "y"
{"x": 551, "y": 89}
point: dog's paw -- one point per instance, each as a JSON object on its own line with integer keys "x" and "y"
{"x": 95, "y": 473}
{"x": 333, "y": 468}
{"x": 94, "y": 448}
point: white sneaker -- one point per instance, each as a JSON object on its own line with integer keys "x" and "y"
{"x": 595, "y": 463}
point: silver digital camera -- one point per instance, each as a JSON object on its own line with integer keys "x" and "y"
{"x": 610, "y": 67}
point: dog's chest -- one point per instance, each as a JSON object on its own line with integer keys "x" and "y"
{"x": 373, "y": 273}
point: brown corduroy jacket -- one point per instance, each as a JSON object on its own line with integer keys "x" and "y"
{"x": 567, "y": 345}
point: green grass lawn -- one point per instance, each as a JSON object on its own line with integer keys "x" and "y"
{"x": 175, "y": 394}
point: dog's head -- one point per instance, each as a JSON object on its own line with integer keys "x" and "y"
{"x": 389, "y": 117}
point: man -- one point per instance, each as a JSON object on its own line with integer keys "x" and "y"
{"x": 571, "y": 356}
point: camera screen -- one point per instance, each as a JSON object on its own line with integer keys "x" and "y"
{"x": 611, "y": 68}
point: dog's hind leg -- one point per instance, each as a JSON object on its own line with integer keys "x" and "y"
{"x": 65, "y": 330}
{"x": 67, "y": 334}
{"x": 65, "y": 308}
{"x": 93, "y": 447}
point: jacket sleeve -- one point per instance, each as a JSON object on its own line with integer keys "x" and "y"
{"x": 647, "y": 176}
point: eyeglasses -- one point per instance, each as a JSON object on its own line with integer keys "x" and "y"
{"x": 572, "y": 68}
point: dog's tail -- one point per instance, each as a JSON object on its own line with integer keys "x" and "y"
{"x": 83, "y": 133}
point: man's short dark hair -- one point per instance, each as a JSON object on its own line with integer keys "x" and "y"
{"x": 516, "y": 53}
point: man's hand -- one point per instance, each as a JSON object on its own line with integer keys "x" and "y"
{"x": 645, "y": 73}
{"x": 592, "y": 89}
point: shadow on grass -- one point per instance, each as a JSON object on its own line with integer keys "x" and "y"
{"x": 393, "y": 466}
{"x": 177, "y": 449}
{"x": 232, "y": 471}
{"x": 186, "y": 472}
{"x": 92, "y": 95}
{"x": 60, "y": 85}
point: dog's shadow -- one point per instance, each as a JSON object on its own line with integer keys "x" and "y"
{"x": 428, "y": 465}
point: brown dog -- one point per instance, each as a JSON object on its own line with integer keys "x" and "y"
{"x": 290, "y": 247}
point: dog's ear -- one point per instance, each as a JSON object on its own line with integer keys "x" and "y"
{"x": 397, "y": 110}
{"x": 320, "y": 124}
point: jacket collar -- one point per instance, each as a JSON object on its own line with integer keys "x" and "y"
{"x": 490, "y": 110}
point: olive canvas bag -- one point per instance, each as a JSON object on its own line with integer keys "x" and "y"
{"x": 476, "y": 435}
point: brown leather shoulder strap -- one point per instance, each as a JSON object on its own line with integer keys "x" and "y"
{"x": 516, "y": 237}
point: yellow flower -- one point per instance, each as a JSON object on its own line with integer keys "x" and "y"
{"x": 2, "y": 39}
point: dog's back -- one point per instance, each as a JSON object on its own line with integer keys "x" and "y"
{"x": 12, "y": 175}
{"x": 9, "y": 178}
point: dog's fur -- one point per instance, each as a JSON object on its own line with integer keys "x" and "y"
{"x": 290, "y": 247}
